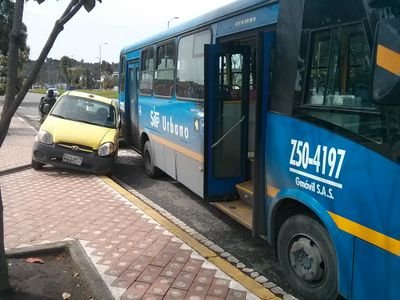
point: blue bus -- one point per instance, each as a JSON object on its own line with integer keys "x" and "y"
{"x": 285, "y": 115}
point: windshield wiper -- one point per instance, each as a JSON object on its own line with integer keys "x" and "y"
{"x": 86, "y": 122}
{"x": 60, "y": 116}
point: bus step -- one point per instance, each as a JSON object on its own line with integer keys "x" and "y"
{"x": 245, "y": 191}
{"x": 237, "y": 210}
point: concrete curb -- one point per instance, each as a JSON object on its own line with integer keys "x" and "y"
{"x": 86, "y": 268}
{"x": 15, "y": 169}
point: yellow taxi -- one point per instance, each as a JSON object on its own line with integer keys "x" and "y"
{"x": 80, "y": 132}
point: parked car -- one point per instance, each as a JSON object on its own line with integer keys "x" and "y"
{"x": 80, "y": 132}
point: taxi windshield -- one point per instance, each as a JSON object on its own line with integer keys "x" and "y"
{"x": 85, "y": 110}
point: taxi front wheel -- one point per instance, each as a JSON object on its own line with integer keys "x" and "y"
{"x": 36, "y": 165}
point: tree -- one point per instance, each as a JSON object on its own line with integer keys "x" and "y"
{"x": 6, "y": 13}
{"x": 13, "y": 99}
{"x": 65, "y": 64}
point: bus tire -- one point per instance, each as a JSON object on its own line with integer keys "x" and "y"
{"x": 308, "y": 258}
{"x": 36, "y": 165}
{"x": 151, "y": 170}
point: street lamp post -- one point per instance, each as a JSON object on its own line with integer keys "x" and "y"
{"x": 169, "y": 21}
{"x": 105, "y": 43}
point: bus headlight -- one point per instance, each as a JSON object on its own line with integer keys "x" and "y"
{"x": 44, "y": 137}
{"x": 106, "y": 149}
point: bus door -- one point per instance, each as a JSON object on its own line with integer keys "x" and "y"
{"x": 132, "y": 103}
{"x": 227, "y": 72}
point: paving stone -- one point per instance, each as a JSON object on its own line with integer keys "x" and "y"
{"x": 175, "y": 294}
{"x": 162, "y": 259}
{"x": 184, "y": 280}
{"x": 193, "y": 265}
{"x": 225, "y": 254}
{"x": 217, "y": 249}
{"x": 161, "y": 286}
{"x": 233, "y": 259}
{"x": 289, "y": 297}
{"x": 269, "y": 285}
{"x": 254, "y": 274}
{"x": 261, "y": 279}
{"x": 126, "y": 279}
{"x": 150, "y": 274}
{"x": 205, "y": 276}
{"x": 136, "y": 291}
{"x": 240, "y": 265}
{"x": 219, "y": 287}
{"x": 277, "y": 290}
{"x": 236, "y": 295}
{"x": 197, "y": 291}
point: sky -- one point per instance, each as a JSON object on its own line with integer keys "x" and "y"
{"x": 110, "y": 26}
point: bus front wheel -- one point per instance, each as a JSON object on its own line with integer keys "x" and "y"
{"x": 151, "y": 170}
{"x": 307, "y": 257}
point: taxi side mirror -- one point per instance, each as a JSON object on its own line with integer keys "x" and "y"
{"x": 386, "y": 74}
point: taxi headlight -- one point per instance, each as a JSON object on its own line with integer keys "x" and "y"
{"x": 106, "y": 149}
{"x": 44, "y": 137}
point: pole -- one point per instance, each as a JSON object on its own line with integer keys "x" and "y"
{"x": 100, "y": 67}
{"x": 100, "y": 63}
{"x": 174, "y": 18}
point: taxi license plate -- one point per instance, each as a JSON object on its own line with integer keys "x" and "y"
{"x": 72, "y": 159}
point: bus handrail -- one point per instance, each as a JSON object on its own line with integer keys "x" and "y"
{"x": 228, "y": 132}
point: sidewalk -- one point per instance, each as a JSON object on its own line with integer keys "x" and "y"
{"x": 138, "y": 252}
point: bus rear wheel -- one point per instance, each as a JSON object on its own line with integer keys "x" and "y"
{"x": 151, "y": 170}
{"x": 307, "y": 257}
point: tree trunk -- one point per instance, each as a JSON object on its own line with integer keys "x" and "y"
{"x": 4, "y": 284}
{"x": 12, "y": 70}
{"x": 12, "y": 101}
{"x": 13, "y": 57}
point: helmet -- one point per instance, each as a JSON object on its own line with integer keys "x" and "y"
{"x": 50, "y": 93}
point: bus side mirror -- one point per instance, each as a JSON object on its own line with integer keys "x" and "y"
{"x": 386, "y": 75}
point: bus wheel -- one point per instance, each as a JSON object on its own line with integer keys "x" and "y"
{"x": 151, "y": 170}
{"x": 307, "y": 258}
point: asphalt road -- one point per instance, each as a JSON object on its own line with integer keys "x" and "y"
{"x": 188, "y": 207}
{"x": 29, "y": 108}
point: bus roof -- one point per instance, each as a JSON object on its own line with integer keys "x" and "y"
{"x": 198, "y": 22}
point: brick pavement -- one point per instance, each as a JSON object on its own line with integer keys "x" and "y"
{"x": 16, "y": 150}
{"x": 136, "y": 256}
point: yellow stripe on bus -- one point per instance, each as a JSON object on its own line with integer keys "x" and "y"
{"x": 196, "y": 156}
{"x": 388, "y": 59}
{"x": 371, "y": 236}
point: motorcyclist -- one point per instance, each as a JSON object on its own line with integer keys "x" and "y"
{"x": 49, "y": 99}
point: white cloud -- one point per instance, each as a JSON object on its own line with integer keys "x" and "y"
{"x": 117, "y": 22}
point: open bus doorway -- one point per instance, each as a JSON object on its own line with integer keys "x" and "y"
{"x": 238, "y": 74}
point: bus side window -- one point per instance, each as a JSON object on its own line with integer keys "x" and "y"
{"x": 340, "y": 68}
{"x": 147, "y": 72}
{"x": 338, "y": 88}
{"x": 190, "y": 66}
{"x": 164, "y": 75}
